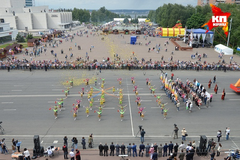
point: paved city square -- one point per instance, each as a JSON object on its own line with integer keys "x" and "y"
{"x": 27, "y": 96}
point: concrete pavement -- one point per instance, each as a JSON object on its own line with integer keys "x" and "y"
{"x": 25, "y": 99}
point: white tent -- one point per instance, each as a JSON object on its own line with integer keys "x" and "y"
{"x": 223, "y": 49}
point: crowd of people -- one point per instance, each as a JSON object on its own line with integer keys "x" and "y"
{"x": 171, "y": 151}
{"x": 132, "y": 62}
{"x": 154, "y": 151}
{"x": 190, "y": 92}
{"x": 106, "y": 63}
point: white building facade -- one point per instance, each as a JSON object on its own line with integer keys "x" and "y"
{"x": 6, "y": 32}
{"x": 29, "y": 3}
{"x": 33, "y": 18}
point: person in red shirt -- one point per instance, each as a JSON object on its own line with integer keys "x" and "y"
{"x": 223, "y": 94}
{"x": 78, "y": 157}
{"x": 209, "y": 84}
{"x": 172, "y": 76}
{"x": 216, "y": 89}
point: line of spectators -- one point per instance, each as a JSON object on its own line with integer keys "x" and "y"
{"x": 81, "y": 63}
{"x": 171, "y": 150}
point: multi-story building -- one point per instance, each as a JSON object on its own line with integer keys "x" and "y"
{"x": 215, "y": 2}
{"x": 21, "y": 17}
{"x": 29, "y": 3}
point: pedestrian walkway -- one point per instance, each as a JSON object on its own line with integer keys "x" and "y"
{"x": 93, "y": 155}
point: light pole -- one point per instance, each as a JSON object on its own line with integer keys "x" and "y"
{"x": 229, "y": 31}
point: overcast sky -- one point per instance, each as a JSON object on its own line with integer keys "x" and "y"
{"x": 111, "y": 4}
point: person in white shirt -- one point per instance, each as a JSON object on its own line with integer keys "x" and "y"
{"x": 72, "y": 155}
{"x": 181, "y": 146}
{"x": 26, "y": 154}
{"x": 49, "y": 151}
{"x": 188, "y": 148}
{"x": 227, "y": 133}
{"x": 184, "y": 132}
{"x": 219, "y": 149}
{"x": 194, "y": 144}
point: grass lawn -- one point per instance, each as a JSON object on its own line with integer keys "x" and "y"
{"x": 7, "y": 44}
{"x": 24, "y": 44}
{"x": 37, "y": 37}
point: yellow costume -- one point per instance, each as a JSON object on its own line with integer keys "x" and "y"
{"x": 136, "y": 93}
{"x": 74, "y": 115}
{"x": 87, "y": 110}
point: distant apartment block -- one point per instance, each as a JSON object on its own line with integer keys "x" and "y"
{"x": 215, "y": 2}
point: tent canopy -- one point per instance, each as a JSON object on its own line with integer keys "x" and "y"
{"x": 223, "y": 49}
{"x": 199, "y": 31}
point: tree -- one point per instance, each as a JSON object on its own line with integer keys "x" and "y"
{"x": 20, "y": 38}
{"x": 75, "y": 14}
{"x": 135, "y": 20}
{"x": 126, "y": 21}
{"x": 168, "y": 14}
{"x": 195, "y": 21}
{"x": 195, "y": 17}
{"x": 94, "y": 16}
{"x": 81, "y": 15}
{"x": 152, "y": 16}
{"x": 103, "y": 15}
{"x": 29, "y": 36}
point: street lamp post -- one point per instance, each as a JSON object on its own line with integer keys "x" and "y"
{"x": 229, "y": 31}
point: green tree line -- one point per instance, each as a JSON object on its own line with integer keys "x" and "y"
{"x": 194, "y": 17}
{"x": 99, "y": 16}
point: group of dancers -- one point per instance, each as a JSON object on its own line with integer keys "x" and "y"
{"x": 152, "y": 89}
{"x": 174, "y": 90}
{"x": 59, "y": 103}
{"x": 189, "y": 92}
{"x": 90, "y": 97}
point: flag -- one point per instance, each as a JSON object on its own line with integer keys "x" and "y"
{"x": 176, "y": 96}
{"x": 166, "y": 83}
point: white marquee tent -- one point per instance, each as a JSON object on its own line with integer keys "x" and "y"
{"x": 200, "y": 33}
{"x": 223, "y": 49}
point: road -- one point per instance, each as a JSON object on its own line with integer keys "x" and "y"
{"x": 25, "y": 99}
